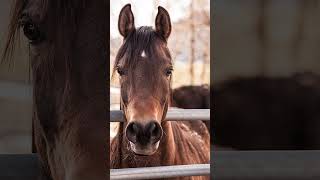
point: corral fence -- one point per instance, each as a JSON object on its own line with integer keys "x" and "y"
{"x": 26, "y": 167}
{"x": 228, "y": 165}
{"x": 173, "y": 114}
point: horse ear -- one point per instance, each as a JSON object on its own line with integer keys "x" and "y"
{"x": 163, "y": 23}
{"x": 126, "y": 21}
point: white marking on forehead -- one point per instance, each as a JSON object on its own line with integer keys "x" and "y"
{"x": 143, "y": 54}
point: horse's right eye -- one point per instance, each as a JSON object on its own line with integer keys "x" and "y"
{"x": 32, "y": 32}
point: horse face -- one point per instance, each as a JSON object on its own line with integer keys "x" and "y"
{"x": 67, "y": 41}
{"x": 144, "y": 65}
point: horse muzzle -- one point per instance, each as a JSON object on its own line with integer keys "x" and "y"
{"x": 144, "y": 139}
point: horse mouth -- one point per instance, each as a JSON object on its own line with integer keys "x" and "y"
{"x": 144, "y": 150}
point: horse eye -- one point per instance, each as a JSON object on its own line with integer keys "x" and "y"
{"x": 32, "y": 32}
{"x": 120, "y": 71}
{"x": 169, "y": 71}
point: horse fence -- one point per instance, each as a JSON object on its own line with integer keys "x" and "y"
{"x": 228, "y": 165}
{"x": 173, "y": 114}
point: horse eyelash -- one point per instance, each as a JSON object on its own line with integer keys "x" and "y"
{"x": 170, "y": 69}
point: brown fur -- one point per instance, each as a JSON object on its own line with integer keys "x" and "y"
{"x": 146, "y": 95}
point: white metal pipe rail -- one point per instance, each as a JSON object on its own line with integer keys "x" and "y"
{"x": 173, "y": 114}
{"x": 160, "y": 172}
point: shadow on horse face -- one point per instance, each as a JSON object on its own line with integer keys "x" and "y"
{"x": 68, "y": 41}
{"x": 144, "y": 65}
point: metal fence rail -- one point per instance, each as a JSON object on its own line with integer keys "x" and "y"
{"x": 19, "y": 166}
{"x": 228, "y": 165}
{"x": 160, "y": 172}
{"x": 173, "y": 114}
{"x": 261, "y": 165}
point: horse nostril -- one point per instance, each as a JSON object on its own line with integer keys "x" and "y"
{"x": 132, "y": 131}
{"x": 144, "y": 134}
{"x": 155, "y": 131}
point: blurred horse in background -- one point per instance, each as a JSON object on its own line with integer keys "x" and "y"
{"x": 192, "y": 97}
{"x": 268, "y": 113}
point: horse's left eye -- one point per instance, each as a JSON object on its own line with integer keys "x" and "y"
{"x": 32, "y": 32}
{"x": 120, "y": 71}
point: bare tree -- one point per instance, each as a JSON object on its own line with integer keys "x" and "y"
{"x": 192, "y": 41}
{"x": 204, "y": 65}
{"x": 205, "y": 50}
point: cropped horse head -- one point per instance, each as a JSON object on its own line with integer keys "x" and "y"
{"x": 144, "y": 65}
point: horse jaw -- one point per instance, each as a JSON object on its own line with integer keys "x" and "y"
{"x": 145, "y": 151}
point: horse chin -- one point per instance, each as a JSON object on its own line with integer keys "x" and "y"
{"x": 145, "y": 150}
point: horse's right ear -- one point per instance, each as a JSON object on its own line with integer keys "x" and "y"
{"x": 126, "y": 21}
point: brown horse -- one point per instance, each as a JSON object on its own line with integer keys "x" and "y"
{"x": 68, "y": 41}
{"x": 145, "y": 67}
{"x": 192, "y": 97}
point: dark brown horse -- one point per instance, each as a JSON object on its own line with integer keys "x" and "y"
{"x": 145, "y": 67}
{"x": 68, "y": 44}
{"x": 192, "y": 97}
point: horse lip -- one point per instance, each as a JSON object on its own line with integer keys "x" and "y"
{"x": 144, "y": 152}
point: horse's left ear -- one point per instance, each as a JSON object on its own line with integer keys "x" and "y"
{"x": 163, "y": 23}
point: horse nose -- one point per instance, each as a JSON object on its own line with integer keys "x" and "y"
{"x": 144, "y": 134}
{"x": 154, "y": 129}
